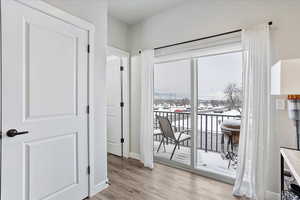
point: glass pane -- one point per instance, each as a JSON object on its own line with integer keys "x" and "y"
{"x": 172, "y": 101}
{"x": 219, "y": 103}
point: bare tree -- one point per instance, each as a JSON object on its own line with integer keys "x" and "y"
{"x": 233, "y": 95}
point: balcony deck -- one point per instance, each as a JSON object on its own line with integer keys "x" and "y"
{"x": 208, "y": 140}
{"x": 207, "y": 161}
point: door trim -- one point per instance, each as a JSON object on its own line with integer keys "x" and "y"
{"x": 123, "y": 54}
{"x": 90, "y": 28}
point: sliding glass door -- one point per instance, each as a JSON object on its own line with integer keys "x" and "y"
{"x": 172, "y": 102}
{"x": 201, "y": 97}
{"x": 219, "y": 100}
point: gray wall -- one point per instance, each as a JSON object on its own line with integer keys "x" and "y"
{"x": 117, "y": 34}
{"x": 203, "y": 18}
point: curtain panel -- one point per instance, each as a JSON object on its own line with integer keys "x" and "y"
{"x": 256, "y": 117}
{"x": 146, "y": 132}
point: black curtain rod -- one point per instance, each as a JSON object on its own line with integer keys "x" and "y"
{"x": 204, "y": 38}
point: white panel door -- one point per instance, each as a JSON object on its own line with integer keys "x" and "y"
{"x": 44, "y": 76}
{"x": 113, "y": 82}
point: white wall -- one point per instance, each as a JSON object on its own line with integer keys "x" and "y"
{"x": 117, "y": 34}
{"x": 135, "y": 103}
{"x": 203, "y": 18}
{"x": 95, "y": 11}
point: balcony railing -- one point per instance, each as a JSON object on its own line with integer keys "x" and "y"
{"x": 209, "y": 132}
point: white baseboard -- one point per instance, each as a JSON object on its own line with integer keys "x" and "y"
{"x": 99, "y": 187}
{"x": 134, "y": 155}
{"x": 272, "y": 195}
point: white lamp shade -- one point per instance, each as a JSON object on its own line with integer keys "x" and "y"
{"x": 285, "y": 77}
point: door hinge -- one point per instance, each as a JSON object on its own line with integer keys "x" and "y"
{"x": 88, "y": 109}
{"x": 89, "y": 170}
{"x": 121, "y": 68}
{"x": 88, "y": 48}
{"x": 122, "y": 104}
{"x": 122, "y": 140}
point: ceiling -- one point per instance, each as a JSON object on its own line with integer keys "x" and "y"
{"x": 134, "y": 11}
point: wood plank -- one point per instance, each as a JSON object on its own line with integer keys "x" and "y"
{"x": 131, "y": 181}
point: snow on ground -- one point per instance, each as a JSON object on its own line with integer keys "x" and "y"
{"x": 207, "y": 161}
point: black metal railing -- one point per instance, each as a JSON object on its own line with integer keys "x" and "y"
{"x": 209, "y": 128}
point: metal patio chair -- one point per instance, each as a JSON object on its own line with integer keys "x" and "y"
{"x": 169, "y": 134}
{"x": 158, "y": 133}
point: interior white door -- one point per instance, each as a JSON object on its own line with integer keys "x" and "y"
{"x": 114, "y": 118}
{"x": 44, "y": 76}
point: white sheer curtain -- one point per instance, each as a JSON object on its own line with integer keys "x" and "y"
{"x": 146, "y": 132}
{"x": 256, "y": 121}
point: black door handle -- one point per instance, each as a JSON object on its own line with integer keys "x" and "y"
{"x": 14, "y": 132}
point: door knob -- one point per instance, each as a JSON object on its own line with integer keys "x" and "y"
{"x": 14, "y": 132}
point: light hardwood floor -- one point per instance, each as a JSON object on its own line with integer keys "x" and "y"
{"x": 130, "y": 181}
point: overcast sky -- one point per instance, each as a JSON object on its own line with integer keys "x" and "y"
{"x": 214, "y": 74}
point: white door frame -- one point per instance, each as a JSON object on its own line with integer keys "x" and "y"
{"x": 90, "y": 28}
{"x": 123, "y": 54}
